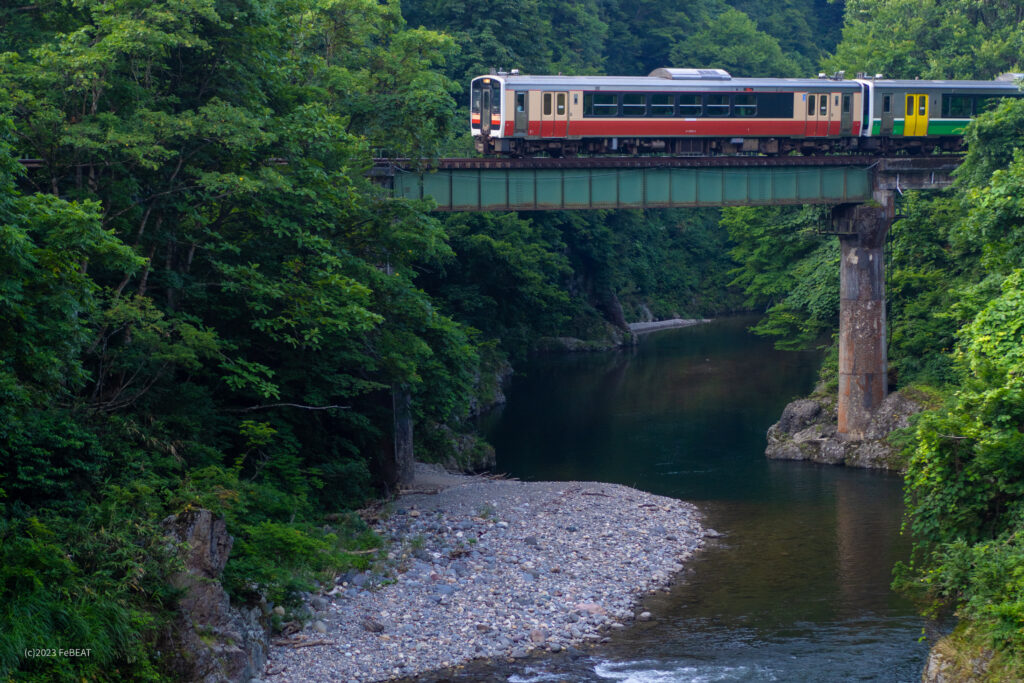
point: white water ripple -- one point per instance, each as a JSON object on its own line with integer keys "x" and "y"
{"x": 649, "y": 671}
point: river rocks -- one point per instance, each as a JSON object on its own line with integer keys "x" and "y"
{"x": 209, "y": 640}
{"x": 504, "y": 578}
{"x": 807, "y": 431}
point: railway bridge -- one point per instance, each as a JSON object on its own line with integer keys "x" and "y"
{"x": 861, "y": 189}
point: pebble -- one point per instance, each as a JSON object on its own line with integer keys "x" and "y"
{"x": 551, "y": 565}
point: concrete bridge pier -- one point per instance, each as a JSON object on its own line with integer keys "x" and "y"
{"x": 863, "y": 381}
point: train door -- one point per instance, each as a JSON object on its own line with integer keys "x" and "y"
{"x": 522, "y": 116}
{"x": 485, "y": 110}
{"x": 887, "y": 116}
{"x": 916, "y": 115}
{"x": 834, "y": 118}
{"x": 554, "y": 114}
{"x": 846, "y": 114}
{"x": 824, "y": 108}
{"x": 811, "y": 121}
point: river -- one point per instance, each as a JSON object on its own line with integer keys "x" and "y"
{"x": 797, "y": 588}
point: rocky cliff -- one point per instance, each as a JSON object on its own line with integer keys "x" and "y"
{"x": 209, "y": 640}
{"x": 807, "y": 431}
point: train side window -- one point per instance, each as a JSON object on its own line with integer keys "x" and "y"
{"x": 690, "y": 106}
{"x": 957, "y": 106}
{"x": 520, "y": 102}
{"x": 600, "y": 104}
{"x": 634, "y": 104}
{"x": 846, "y": 103}
{"x": 774, "y": 105}
{"x": 922, "y": 105}
{"x": 716, "y": 105}
{"x": 886, "y": 104}
{"x": 823, "y": 102}
{"x": 744, "y": 105}
{"x": 547, "y": 104}
{"x": 810, "y": 105}
{"x": 662, "y": 105}
{"x": 910, "y": 106}
{"x": 560, "y": 104}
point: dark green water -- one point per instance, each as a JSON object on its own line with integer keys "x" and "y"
{"x": 796, "y": 590}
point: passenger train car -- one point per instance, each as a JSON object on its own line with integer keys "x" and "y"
{"x": 707, "y": 111}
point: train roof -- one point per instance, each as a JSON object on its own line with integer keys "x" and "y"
{"x": 998, "y": 85}
{"x": 658, "y": 83}
{"x": 716, "y": 79}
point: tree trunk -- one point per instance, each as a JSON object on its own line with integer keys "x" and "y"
{"x": 404, "y": 467}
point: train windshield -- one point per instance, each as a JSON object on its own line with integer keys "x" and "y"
{"x": 485, "y": 92}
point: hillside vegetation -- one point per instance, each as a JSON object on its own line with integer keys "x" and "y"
{"x": 205, "y": 303}
{"x": 956, "y": 318}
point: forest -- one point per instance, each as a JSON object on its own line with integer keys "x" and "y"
{"x": 205, "y": 303}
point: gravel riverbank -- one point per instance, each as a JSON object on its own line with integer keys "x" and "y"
{"x": 491, "y": 568}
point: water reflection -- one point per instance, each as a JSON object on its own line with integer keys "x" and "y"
{"x": 797, "y": 590}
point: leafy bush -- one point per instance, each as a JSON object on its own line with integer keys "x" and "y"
{"x": 94, "y": 582}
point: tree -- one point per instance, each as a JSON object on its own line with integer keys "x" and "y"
{"x": 731, "y": 41}
{"x": 930, "y": 38}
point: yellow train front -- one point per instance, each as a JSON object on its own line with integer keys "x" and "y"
{"x": 707, "y": 111}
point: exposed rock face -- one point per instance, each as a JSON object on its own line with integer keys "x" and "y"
{"x": 210, "y": 641}
{"x": 489, "y": 389}
{"x": 458, "y": 452}
{"x": 807, "y": 431}
{"x": 953, "y": 661}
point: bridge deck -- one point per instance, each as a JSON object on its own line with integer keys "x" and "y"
{"x": 546, "y": 184}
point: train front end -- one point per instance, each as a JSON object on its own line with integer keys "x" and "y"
{"x": 486, "y": 112}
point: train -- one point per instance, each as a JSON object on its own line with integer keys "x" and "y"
{"x": 699, "y": 112}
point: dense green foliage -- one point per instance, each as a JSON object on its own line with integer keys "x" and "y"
{"x": 202, "y": 300}
{"x": 787, "y": 267}
{"x": 205, "y": 303}
{"x": 965, "y": 482}
{"x": 931, "y": 38}
{"x": 956, "y": 317}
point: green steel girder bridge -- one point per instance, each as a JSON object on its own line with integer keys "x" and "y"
{"x": 549, "y": 184}
{"x": 862, "y": 190}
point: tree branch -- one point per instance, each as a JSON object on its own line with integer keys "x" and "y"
{"x": 286, "y": 405}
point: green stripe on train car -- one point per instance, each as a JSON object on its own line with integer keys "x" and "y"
{"x": 897, "y": 127}
{"x": 935, "y": 126}
{"x": 947, "y": 126}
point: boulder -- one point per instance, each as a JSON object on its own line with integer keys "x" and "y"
{"x": 209, "y": 640}
{"x": 807, "y": 430}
